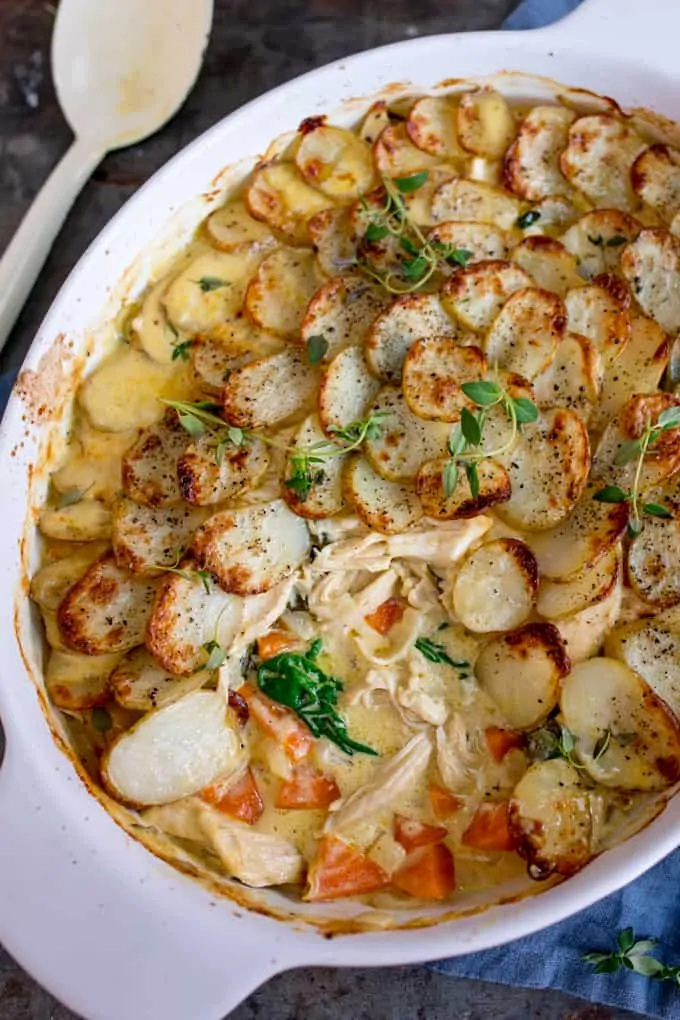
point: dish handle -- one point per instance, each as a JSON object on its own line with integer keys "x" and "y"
{"x": 634, "y": 27}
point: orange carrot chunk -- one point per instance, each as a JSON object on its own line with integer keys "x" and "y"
{"x": 386, "y": 615}
{"x": 500, "y": 741}
{"x": 275, "y": 642}
{"x": 489, "y": 829}
{"x": 411, "y": 833}
{"x": 341, "y": 870}
{"x": 237, "y": 797}
{"x": 279, "y": 722}
{"x": 427, "y": 873}
{"x": 444, "y": 804}
{"x": 307, "y": 789}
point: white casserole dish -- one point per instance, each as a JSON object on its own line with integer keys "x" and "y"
{"x": 107, "y": 927}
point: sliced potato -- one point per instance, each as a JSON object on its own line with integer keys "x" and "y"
{"x": 522, "y": 671}
{"x": 155, "y": 335}
{"x": 347, "y": 389}
{"x": 548, "y": 262}
{"x": 532, "y": 162}
{"x": 555, "y": 211}
{"x": 269, "y": 390}
{"x": 323, "y": 497}
{"x": 474, "y": 201}
{"x": 403, "y": 441}
{"x": 387, "y": 507}
{"x": 106, "y": 610}
{"x": 188, "y": 613}
{"x": 278, "y": 196}
{"x": 395, "y": 330}
{"x": 148, "y": 538}
{"x": 76, "y": 682}
{"x": 599, "y": 157}
{"x": 552, "y": 815}
{"x": 231, "y": 227}
{"x": 652, "y": 649}
{"x": 435, "y": 368}
{"x": 174, "y": 752}
{"x": 654, "y": 562}
{"x": 213, "y": 360}
{"x": 395, "y": 155}
{"x": 431, "y": 126}
{"x": 495, "y": 588}
{"x": 376, "y": 120}
{"x": 342, "y": 311}
{"x": 655, "y": 176}
{"x": 476, "y": 294}
{"x": 597, "y": 240}
{"x": 639, "y": 368}
{"x": 93, "y": 463}
{"x": 278, "y": 294}
{"x": 140, "y": 684}
{"x": 584, "y": 632}
{"x": 600, "y": 313}
{"x": 150, "y": 466}
{"x": 625, "y": 735}
{"x": 249, "y": 550}
{"x": 548, "y": 470}
{"x": 85, "y": 521}
{"x": 526, "y": 332}
{"x": 125, "y": 391}
{"x": 419, "y": 202}
{"x": 209, "y": 291}
{"x": 480, "y": 240}
{"x": 486, "y": 124}
{"x": 578, "y": 542}
{"x": 594, "y": 583}
{"x": 651, "y": 265}
{"x": 51, "y": 582}
{"x": 208, "y": 474}
{"x": 573, "y": 378}
{"x": 333, "y": 239}
{"x": 494, "y": 487}
{"x": 335, "y": 161}
{"x": 661, "y": 460}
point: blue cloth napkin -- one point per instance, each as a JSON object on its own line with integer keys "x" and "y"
{"x": 651, "y": 905}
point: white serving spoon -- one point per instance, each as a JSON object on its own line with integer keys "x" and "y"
{"x": 121, "y": 69}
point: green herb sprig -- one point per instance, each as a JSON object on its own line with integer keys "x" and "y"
{"x": 554, "y": 740}
{"x": 201, "y": 418}
{"x": 210, "y": 283}
{"x": 180, "y": 350}
{"x": 435, "y": 652}
{"x": 612, "y": 242}
{"x": 305, "y": 460}
{"x": 633, "y": 954}
{"x": 204, "y": 576}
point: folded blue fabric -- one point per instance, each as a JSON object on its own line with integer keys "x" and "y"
{"x": 651, "y": 905}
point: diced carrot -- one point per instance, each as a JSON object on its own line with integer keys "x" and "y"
{"x": 427, "y": 873}
{"x": 386, "y": 615}
{"x": 275, "y": 642}
{"x": 237, "y": 797}
{"x": 489, "y": 829}
{"x": 307, "y": 789}
{"x": 341, "y": 870}
{"x": 279, "y": 722}
{"x": 444, "y": 804}
{"x": 413, "y": 834}
{"x": 501, "y": 741}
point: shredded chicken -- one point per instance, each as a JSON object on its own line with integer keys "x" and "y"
{"x": 439, "y": 544}
{"x": 260, "y": 612}
{"x": 255, "y": 858}
{"x": 180, "y": 818}
{"x": 458, "y": 761}
{"x": 385, "y": 651}
{"x": 424, "y": 692}
{"x": 376, "y": 681}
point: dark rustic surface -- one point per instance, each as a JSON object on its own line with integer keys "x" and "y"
{"x": 255, "y": 45}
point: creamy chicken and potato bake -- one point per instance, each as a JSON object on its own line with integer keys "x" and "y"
{"x": 362, "y": 566}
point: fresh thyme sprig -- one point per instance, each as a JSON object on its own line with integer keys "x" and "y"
{"x": 435, "y": 652}
{"x": 204, "y": 576}
{"x": 555, "y": 740}
{"x": 633, "y": 954}
{"x": 305, "y": 460}
{"x": 201, "y": 418}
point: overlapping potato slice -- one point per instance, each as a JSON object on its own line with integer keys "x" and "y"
{"x": 562, "y": 598}
{"x": 278, "y": 294}
{"x": 333, "y": 238}
{"x": 655, "y": 176}
{"x": 150, "y": 465}
{"x": 475, "y": 201}
{"x": 51, "y": 582}
{"x": 597, "y": 240}
{"x": 525, "y": 334}
{"x": 431, "y": 126}
{"x": 481, "y": 241}
{"x": 651, "y": 265}
{"x": 476, "y": 294}
{"x": 553, "y": 815}
{"x": 584, "y": 632}
{"x": 377, "y": 118}
{"x": 396, "y": 329}
{"x": 269, "y": 390}
{"x": 663, "y": 456}
{"x": 532, "y": 162}
{"x": 347, "y": 389}
{"x": 419, "y": 202}
{"x": 403, "y": 441}
{"x": 599, "y": 312}
{"x": 231, "y": 227}
{"x": 278, "y": 196}
{"x": 85, "y": 521}
{"x": 495, "y": 587}
{"x": 435, "y": 368}
{"x": 335, "y": 161}
{"x": 139, "y": 683}
{"x": 625, "y": 735}
{"x": 548, "y": 262}
{"x": 148, "y": 538}
{"x": 494, "y": 487}
{"x": 598, "y": 159}
{"x": 342, "y": 311}
{"x": 652, "y": 649}
{"x": 209, "y": 474}
{"x": 106, "y": 610}
{"x": 93, "y": 464}
{"x": 387, "y": 507}
{"x": 548, "y": 469}
{"x": 554, "y": 211}
{"x": 323, "y": 496}
{"x": 486, "y": 125}
{"x": 395, "y": 155}
{"x": 578, "y": 542}
{"x": 155, "y": 335}
{"x": 76, "y": 682}
{"x": 654, "y": 563}
{"x": 639, "y": 368}
{"x": 240, "y": 342}
{"x": 573, "y": 378}
{"x": 209, "y": 291}
{"x": 251, "y": 549}
{"x": 125, "y": 391}
{"x": 522, "y": 671}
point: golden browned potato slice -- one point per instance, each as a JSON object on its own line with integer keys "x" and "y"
{"x": 494, "y": 487}
{"x": 174, "y": 752}
{"x": 475, "y": 201}
{"x": 662, "y": 458}
{"x": 51, "y": 582}
{"x": 269, "y": 390}
{"x": 347, "y": 389}
{"x": 626, "y": 737}
{"x": 495, "y": 588}
{"x": 387, "y": 507}
{"x": 652, "y": 649}
{"x": 209, "y": 474}
{"x": 548, "y": 262}
{"x": 600, "y": 313}
{"x": 124, "y": 392}
{"x": 278, "y": 195}
{"x": 597, "y": 240}
{"x": 548, "y": 469}
{"x": 555, "y": 211}
{"x": 376, "y": 120}
{"x": 209, "y": 291}
{"x": 106, "y": 610}
{"x": 476, "y": 294}
{"x": 532, "y": 162}
{"x": 599, "y": 157}
{"x": 573, "y": 378}
{"x": 654, "y": 562}
{"x": 578, "y": 543}
{"x": 419, "y": 202}
{"x": 323, "y": 496}
{"x": 188, "y": 614}
{"x": 431, "y": 126}
{"x": 278, "y": 294}
{"x": 93, "y": 464}
{"x": 395, "y": 155}
{"x": 335, "y": 161}
{"x": 656, "y": 179}
{"x": 334, "y": 242}
{"x": 562, "y": 598}
{"x": 231, "y": 227}
{"x": 140, "y": 684}
{"x": 150, "y": 466}
{"x": 240, "y": 342}
{"x": 639, "y": 368}
{"x": 342, "y": 311}
{"x": 146, "y": 538}
{"x": 522, "y": 670}
{"x": 480, "y": 241}
{"x": 84, "y": 521}
{"x": 651, "y": 265}
{"x": 486, "y": 124}
{"x": 584, "y": 632}
{"x": 249, "y": 550}
{"x": 403, "y": 441}
{"x": 434, "y": 371}
{"x": 526, "y": 332}
{"x": 77, "y": 682}
{"x": 553, "y": 816}
{"x": 156, "y": 336}
{"x": 395, "y": 330}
